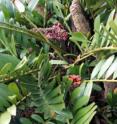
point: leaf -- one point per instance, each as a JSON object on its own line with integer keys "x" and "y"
{"x": 6, "y": 68}
{"x": 82, "y": 112}
{"x": 58, "y": 62}
{"x": 113, "y": 26}
{"x": 96, "y": 29}
{"x": 12, "y": 110}
{"x": 14, "y": 89}
{"x": 112, "y": 69}
{"x": 75, "y": 94}
{"x": 78, "y": 36}
{"x": 82, "y": 101}
{"x": 88, "y": 89}
{"x": 56, "y": 100}
{"x": 19, "y": 5}
{"x": 105, "y": 66}
{"x": 64, "y": 115}
{"x": 87, "y": 117}
{"x": 5, "y": 118}
{"x": 97, "y": 69}
{"x": 5, "y": 58}
{"x": 22, "y": 64}
{"x": 39, "y": 36}
{"x": 32, "y": 4}
{"x": 78, "y": 92}
{"x": 37, "y": 118}
{"x": 13, "y": 45}
{"x": 25, "y": 121}
{"x": 115, "y": 75}
{"x": 110, "y": 18}
{"x": 2, "y": 18}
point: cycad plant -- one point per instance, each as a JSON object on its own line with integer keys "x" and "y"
{"x": 50, "y": 74}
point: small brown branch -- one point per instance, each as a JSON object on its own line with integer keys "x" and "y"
{"x": 91, "y": 53}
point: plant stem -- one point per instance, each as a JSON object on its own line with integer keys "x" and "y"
{"x": 82, "y": 58}
{"x": 102, "y": 80}
{"x": 100, "y": 49}
{"x": 25, "y": 97}
{"x": 92, "y": 52}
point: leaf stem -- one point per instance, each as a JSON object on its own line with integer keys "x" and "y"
{"x": 102, "y": 80}
{"x": 101, "y": 49}
{"x": 92, "y": 52}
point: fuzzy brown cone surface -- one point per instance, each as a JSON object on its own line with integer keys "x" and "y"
{"x": 80, "y": 23}
{"x": 56, "y": 32}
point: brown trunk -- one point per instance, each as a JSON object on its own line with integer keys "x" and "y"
{"x": 79, "y": 20}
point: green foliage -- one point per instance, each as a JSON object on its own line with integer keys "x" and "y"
{"x": 83, "y": 113}
{"x": 32, "y": 77}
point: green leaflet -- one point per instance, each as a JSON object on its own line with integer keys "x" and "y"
{"x": 82, "y": 112}
{"x": 97, "y": 69}
{"x": 112, "y": 69}
{"x": 32, "y": 4}
{"x": 87, "y": 117}
{"x": 105, "y": 66}
{"x": 37, "y": 118}
{"x": 77, "y": 36}
{"x": 113, "y": 26}
{"x": 25, "y": 121}
{"x": 115, "y": 75}
{"x": 6, "y": 68}
{"x": 82, "y": 101}
{"x": 79, "y": 98}
{"x": 5, "y": 58}
{"x": 6, "y": 116}
{"x": 58, "y": 62}
{"x": 96, "y": 28}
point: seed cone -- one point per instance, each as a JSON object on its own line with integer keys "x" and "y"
{"x": 80, "y": 23}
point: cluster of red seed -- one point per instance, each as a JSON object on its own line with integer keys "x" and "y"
{"x": 57, "y": 33}
{"x": 76, "y": 81}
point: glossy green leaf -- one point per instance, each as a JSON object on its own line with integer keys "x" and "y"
{"x": 12, "y": 110}
{"x": 113, "y": 26}
{"x": 14, "y": 89}
{"x": 37, "y": 118}
{"x": 97, "y": 29}
{"x": 77, "y": 36}
{"x": 58, "y": 62}
{"x": 80, "y": 103}
{"x": 5, "y": 58}
{"x": 56, "y": 100}
{"x": 88, "y": 89}
{"x": 97, "y": 69}
{"x": 32, "y": 4}
{"x": 5, "y": 118}
{"x": 82, "y": 112}
{"x": 111, "y": 69}
{"x": 25, "y": 121}
{"x": 105, "y": 66}
{"x": 6, "y": 68}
